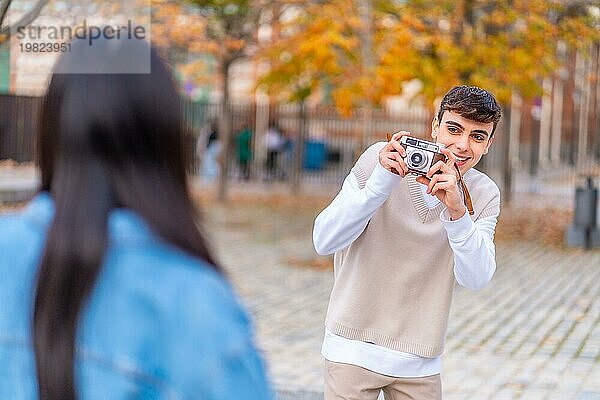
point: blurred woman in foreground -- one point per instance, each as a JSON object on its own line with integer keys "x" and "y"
{"x": 108, "y": 289}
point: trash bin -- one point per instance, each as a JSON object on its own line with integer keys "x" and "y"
{"x": 314, "y": 155}
{"x": 584, "y": 231}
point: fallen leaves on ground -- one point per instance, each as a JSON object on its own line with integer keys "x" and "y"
{"x": 534, "y": 225}
{"x": 316, "y": 263}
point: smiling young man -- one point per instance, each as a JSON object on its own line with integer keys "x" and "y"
{"x": 400, "y": 243}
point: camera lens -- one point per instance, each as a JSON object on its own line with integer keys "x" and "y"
{"x": 417, "y": 159}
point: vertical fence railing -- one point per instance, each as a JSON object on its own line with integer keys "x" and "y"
{"x": 18, "y": 126}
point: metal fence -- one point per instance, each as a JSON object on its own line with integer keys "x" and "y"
{"x": 329, "y": 142}
{"x": 332, "y": 142}
{"x": 18, "y": 126}
{"x": 320, "y": 145}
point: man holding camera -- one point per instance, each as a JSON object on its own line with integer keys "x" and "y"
{"x": 403, "y": 229}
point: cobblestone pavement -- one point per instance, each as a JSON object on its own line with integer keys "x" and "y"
{"x": 533, "y": 333}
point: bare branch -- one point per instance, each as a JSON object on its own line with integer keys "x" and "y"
{"x": 4, "y": 10}
{"x": 26, "y": 19}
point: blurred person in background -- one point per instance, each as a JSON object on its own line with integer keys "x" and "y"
{"x": 244, "y": 150}
{"x": 208, "y": 149}
{"x": 274, "y": 142}
{"x": 400, "y": 243}
{"x": 109, "y": 289}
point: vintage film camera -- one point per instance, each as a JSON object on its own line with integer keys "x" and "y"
{"x": 421, "y": 154}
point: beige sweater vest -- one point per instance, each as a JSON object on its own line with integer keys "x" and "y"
{"x": 394, "y": 283}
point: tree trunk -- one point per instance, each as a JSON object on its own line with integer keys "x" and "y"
{"x": 366, "y": 39}
{"x": 529, "y": 135}
{"x": 557, "y": 120}
{"x": 514, "y": 132}
{"x": 299, "y": 149}
{"x": 510, "y": 150}
{"x": 595, "y": 114}
{"x": 224, "y": 133}
{"x": 569, "y": 109}
{"x": 584, "y": 110}
{"x": 545, "y": 123}
{"x": 505, "y": 158}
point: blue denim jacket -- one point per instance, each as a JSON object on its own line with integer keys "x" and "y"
{"x": 158, "y": 325}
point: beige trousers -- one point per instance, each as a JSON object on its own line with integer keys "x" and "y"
{"x": 349, "y": 382}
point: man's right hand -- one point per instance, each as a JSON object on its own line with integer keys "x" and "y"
{"x": 391, "y": 156}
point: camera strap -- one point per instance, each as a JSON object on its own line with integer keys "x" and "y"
{"x": 463, "y": 186}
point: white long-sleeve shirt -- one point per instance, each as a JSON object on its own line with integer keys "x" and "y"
{"x": 343, "y": 221}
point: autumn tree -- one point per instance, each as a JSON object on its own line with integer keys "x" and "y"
{"x": 507, "y": 46}
{"x": 231, "y": 34}
{"x": 317, "y": 46}
{"x": 176, "y": 29}
{"x": 502, "y": 45}
{"x": 178, "y": 32}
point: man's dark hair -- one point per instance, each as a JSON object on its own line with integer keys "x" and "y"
{"x": 472, "y": 103}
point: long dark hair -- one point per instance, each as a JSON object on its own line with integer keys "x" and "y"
{"x": 105, "y": 141}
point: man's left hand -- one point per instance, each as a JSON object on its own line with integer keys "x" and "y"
{"x": 442, "y": 182}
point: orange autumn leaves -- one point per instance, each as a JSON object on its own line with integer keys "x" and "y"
{"x": 503, "y": 45}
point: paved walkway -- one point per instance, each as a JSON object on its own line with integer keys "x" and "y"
{"x": 534, "y": 333}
